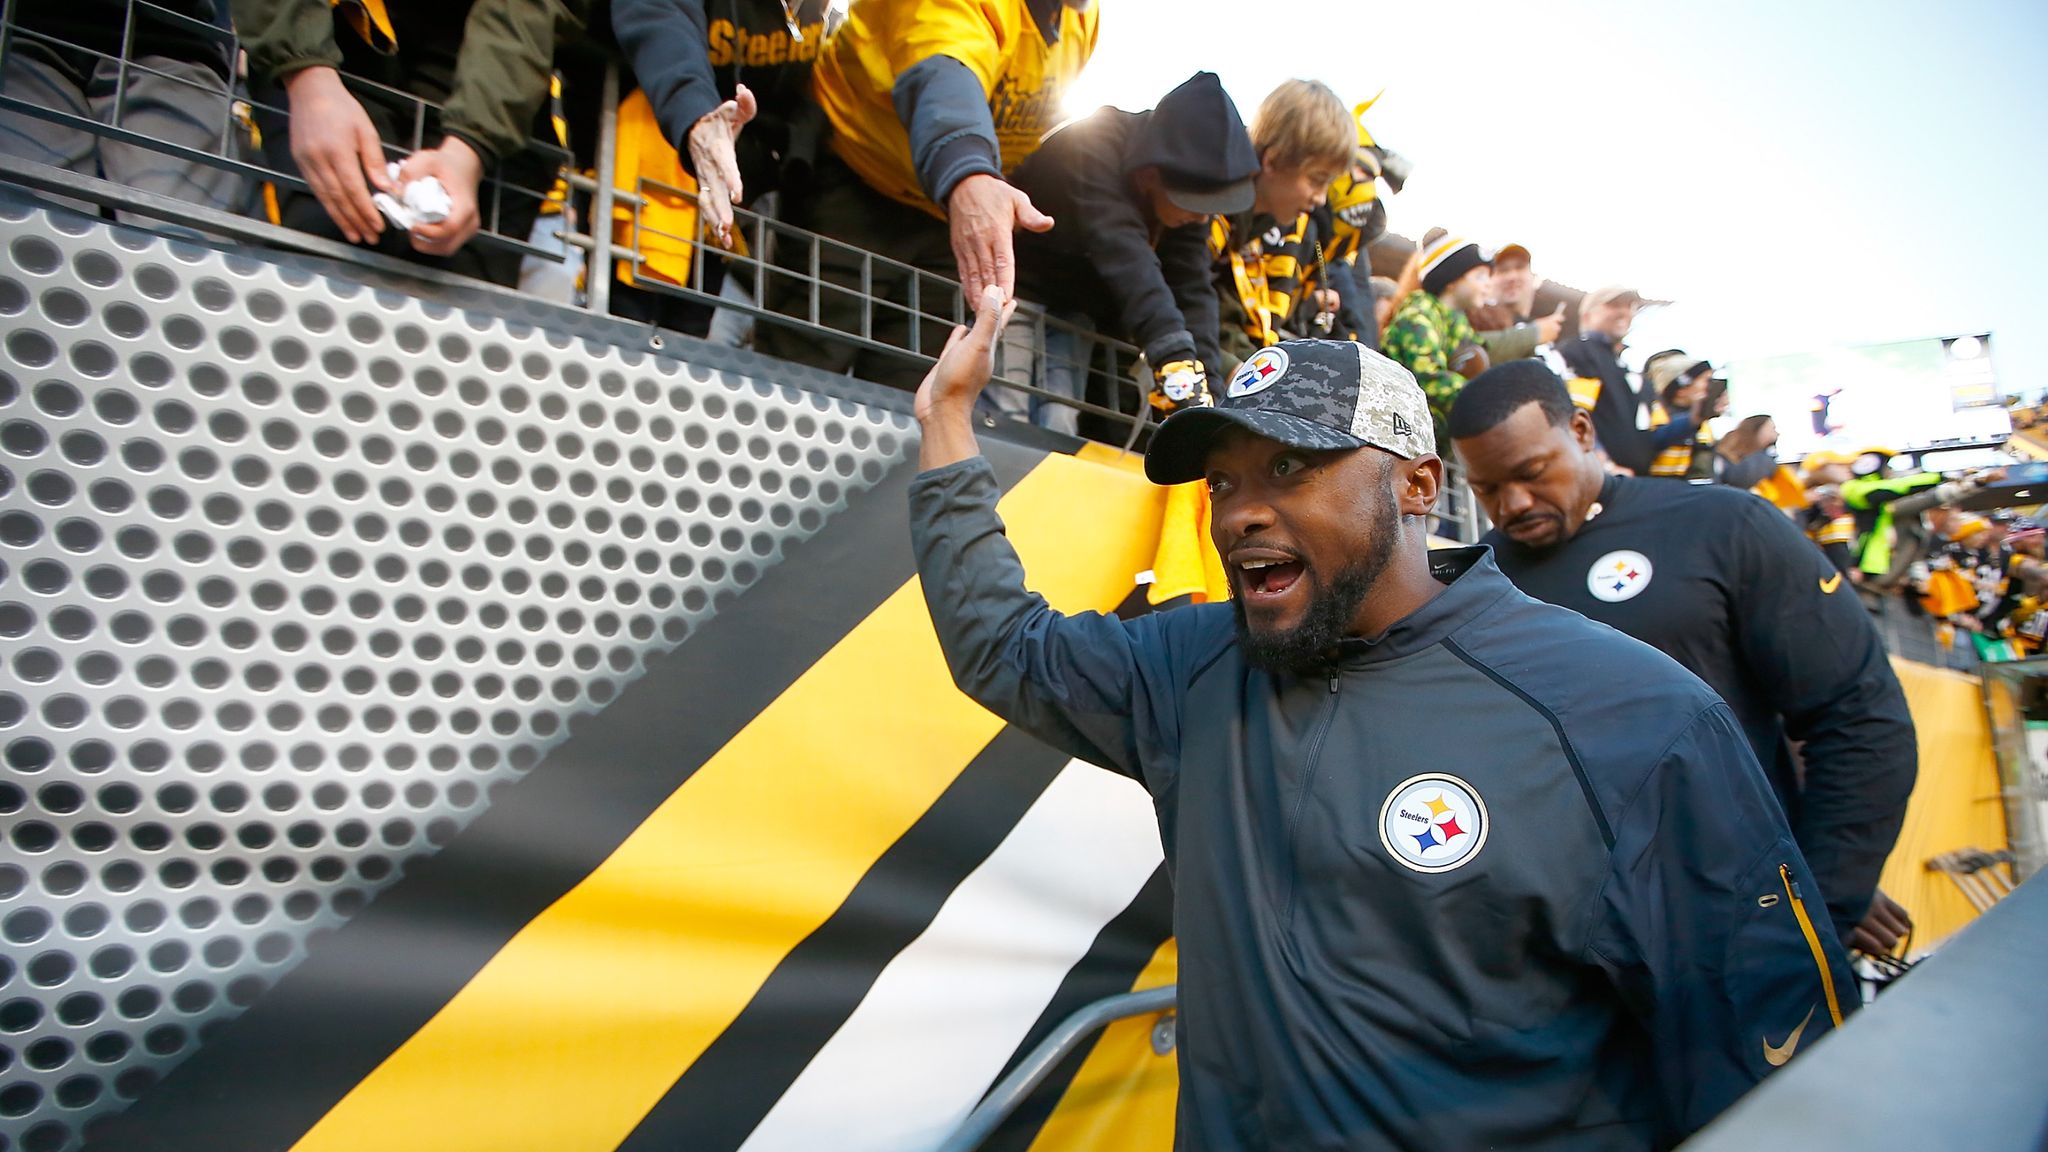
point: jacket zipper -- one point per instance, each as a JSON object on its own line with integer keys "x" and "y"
{"x": 1820, "y": 956}
{"x": 1308, "y": 775}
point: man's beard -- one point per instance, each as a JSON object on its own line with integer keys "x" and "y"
{"x": 1307, "y": 645}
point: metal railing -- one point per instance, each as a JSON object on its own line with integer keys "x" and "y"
{"x": 772, "y": 252}
{"x": 1458, "y": 515}
{"x": 1030, "y": 1072}
{"x": 1109, "y": 379}
{"x": 236, "y": 145}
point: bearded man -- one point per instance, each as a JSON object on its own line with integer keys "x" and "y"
{"x": 1581, "y": 925}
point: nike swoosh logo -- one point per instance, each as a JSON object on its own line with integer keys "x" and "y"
{"x": 1831, "y": 583}
{"x": 1776, "y": 1054}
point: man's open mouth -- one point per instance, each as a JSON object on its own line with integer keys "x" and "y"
{"x": 1267, "y": 577}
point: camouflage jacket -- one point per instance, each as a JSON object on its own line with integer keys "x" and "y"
{"x": 1423, "y": 336}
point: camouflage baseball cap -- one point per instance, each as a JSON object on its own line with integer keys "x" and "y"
{"x": 1323, "y": 395}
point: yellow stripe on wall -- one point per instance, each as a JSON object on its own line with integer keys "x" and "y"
{"x": 1955, "y": 803}
{"x": 1123, "y": 1098}
{"x": 584, "y": 1020}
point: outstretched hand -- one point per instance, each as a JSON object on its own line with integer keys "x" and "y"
{"x": 945, "y": 400}
{"x": 712, "y": 143}
{"x": 983, "y": 212}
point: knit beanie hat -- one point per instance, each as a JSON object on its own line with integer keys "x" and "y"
{"x": 1448, "y": 259}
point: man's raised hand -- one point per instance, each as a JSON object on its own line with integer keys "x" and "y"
{"x": 945, "y": 401}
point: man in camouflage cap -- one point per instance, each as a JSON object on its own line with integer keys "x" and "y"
{"x": 1388, "y": 939}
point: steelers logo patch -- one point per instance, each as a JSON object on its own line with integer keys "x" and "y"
{"x": 1261, "y": 371}
{"x": 1433, "y": 823}
{"x": 1619, "y": 576}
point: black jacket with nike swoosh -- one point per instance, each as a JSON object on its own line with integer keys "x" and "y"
{"x": 1732, "y": 590}
{"x": 1580, "y": 923}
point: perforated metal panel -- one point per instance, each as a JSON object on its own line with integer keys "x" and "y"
{"x": 293, "y": 574}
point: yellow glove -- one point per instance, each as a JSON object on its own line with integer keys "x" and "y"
{"x": 1180, "y": 384}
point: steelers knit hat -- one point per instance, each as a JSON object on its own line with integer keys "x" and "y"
{"x": 1446, "y": 260}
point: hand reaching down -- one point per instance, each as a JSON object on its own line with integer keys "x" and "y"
{"x": 983, "y": 211}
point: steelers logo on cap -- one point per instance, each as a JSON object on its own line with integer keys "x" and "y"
{"x": 1619, "y": 576}
{"x": 1433, "y": 823}
{"x": 1259, "y": 372}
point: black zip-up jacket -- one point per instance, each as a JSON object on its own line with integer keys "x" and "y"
{"x": 1593, "y": 356}
{"x": 690, "y": 56}
{"x": 1102, "y": 257}
{"x": 1577, "y": 921}
{"x": 1728, "y": 587}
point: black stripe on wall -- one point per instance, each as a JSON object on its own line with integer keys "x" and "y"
{"x": 270, "y": 1075}
{"x": 724, "y": 1095}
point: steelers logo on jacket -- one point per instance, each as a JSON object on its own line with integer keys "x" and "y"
{"x": 1433, "y": 823}
{"x": 1619, "y": 576}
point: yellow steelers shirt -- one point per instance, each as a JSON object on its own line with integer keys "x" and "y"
{"x": 997, "y": 40}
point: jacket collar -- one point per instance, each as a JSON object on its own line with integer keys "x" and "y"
{"x": 1472, "y": 582}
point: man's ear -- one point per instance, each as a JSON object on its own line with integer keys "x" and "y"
{"x": 1416, "y": 484}
{"x": 1582, "y": 429}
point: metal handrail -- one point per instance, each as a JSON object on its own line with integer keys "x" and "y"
{"x": 491, "y": 192}
{"x": 1022, "y": 356}
{"x": 1030, "y": 1072}
{"x": 763, "y": 234}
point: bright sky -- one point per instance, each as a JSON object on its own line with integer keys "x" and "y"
{"x": 1795, "y": 173}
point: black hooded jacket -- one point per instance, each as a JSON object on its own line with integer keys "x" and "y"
{"x": 1104, "y": 256}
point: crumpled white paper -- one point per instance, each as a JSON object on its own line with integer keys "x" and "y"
{"x": 422, "y": 201}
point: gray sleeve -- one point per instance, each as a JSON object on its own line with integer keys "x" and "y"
{"x": 952, "y": 135}
{"x": 1088, "y": 684}
{"x": 1514, "y": 343}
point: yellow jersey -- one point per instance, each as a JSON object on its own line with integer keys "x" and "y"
{"x": 1023, "y": 75}
{"x": 1676, "y": 461}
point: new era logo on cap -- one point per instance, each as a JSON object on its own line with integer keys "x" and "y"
{"x": 1324, "y": 395}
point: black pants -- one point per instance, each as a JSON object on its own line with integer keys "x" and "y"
{"x": 838, "y": 204}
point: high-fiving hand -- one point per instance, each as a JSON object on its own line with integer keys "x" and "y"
{"x": 983, "y": 212}
{"x": 945, "y": 400}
